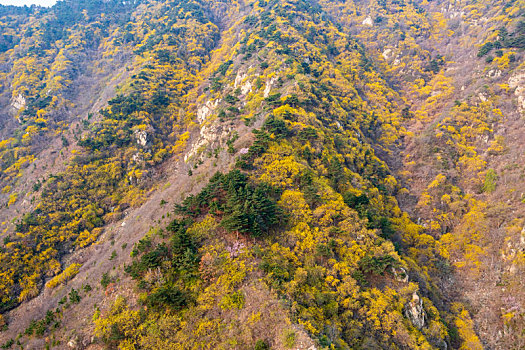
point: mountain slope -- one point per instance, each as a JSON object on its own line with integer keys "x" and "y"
{"x": 462, "y": 153}
{"x": 318, "y": 115}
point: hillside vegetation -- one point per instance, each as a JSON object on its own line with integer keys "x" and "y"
{"x": 262, "y": 174}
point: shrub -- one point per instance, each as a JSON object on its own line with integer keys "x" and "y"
{"x": 168, "y": 295}
{"x": 261, "y": 345}
{"x": 66, "y": 275}
{"x": 490, "y": 181}
{"x": 289, "y": 338}
{"x": 106, "y": 280}
{"x": 233, "y": 301}
{"x": 376, "y": 265}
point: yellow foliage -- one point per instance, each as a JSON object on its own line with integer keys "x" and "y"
{"x": 122, "y": 317}
{"x": 12, "y": 199}
{"x": 470, "y": 340}
{"x": 66, "y": 275}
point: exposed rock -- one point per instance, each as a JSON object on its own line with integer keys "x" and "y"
{"x": 18, "y": 102}
{"x": 239, "y": 79}
{"x": 209, "y": 134}
{"x": 387, "y": 53}
{"x": 138, "y": 157}
{"x": 269, "y": 85}
{"x": 456, "y": 14}
{"x": 86, "y": 342}
{"x": 397, "y": 61}
{"x": 517, "y": 82}
{"x": 246, "y": 88}
{"x": 205, "y": 111}
{"x": 142, "y": 137}
{"x": 414, "y": 311}
{"x": 400, "y": 274}
{"x": 72, "y": 344}
{"x": 513, "y": 250}
{"x": 368, "y": 22}
{"x": 483, "y": 138}
{"x": 482, "y": 97}
{"x": 494, "y": 73}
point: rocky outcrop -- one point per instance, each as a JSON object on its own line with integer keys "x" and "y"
{"x": 210, "y": 135}
{"x": 494, "y": 73}
{"x": 482, "y": 97}
{"x": 400, "y": 274}
{"x": 242, "y": 83}
{"x": 514, "y": 249}
{"x": 18, "y": 102}
{"x": 387, "y": 54}
{"x": 205, "y": 111}
{"x": 72, "y": 344}
{"x": 239, "y": 79}
{"x": 368, "y": 22}
{"x": 269, "y": 85}
{"x": 246, "y": 87}
{"x": 414, "y": 311}
{"x": 517, "y": 82}
{"x": 141, "y": 136}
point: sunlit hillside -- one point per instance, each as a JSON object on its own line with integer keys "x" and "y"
{"x": 284, "y": 174}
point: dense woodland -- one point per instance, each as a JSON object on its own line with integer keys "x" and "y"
{"x": 372, "y": 195}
